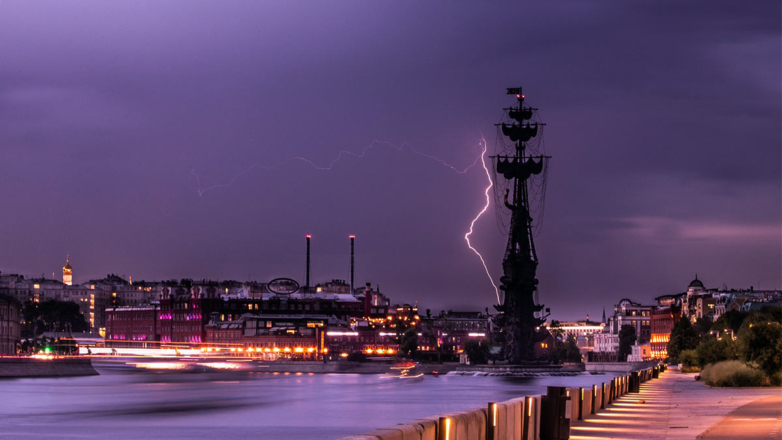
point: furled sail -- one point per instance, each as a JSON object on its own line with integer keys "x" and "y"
{"x": 520, "y": 132}
{"x": 520, "y": 114}
{"x": 519, "y": 169}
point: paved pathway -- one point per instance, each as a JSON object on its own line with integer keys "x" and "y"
{"x": 761, "y": 419}
{"x": 674, "y": 407}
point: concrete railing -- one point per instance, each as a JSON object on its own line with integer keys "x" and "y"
{"x": 528, "y": 418}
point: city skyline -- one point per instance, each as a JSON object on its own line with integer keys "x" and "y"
{"x": 666, "y": 156}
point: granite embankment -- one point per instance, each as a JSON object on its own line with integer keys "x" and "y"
{"x": 526, "y": 417}
{"x": 29, "y": 367}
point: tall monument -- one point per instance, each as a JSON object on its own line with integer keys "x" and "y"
{"x": 520, "y": 317}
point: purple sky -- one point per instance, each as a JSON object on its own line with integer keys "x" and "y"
{"x": 663, "y": 120}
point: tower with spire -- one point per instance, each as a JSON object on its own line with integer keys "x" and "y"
{"x": 520, "y": 314}
{"x": 67, "y": 272}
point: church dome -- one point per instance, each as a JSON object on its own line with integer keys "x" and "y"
{"x": 67, "y": 266}
{"x": 696, "y": 283}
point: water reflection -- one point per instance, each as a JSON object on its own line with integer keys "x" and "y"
{"x": 227, "y": 404}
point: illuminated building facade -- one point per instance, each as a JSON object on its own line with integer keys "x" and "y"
{"x": 448, "y": 333}
{"x": 344, "y": 306}
{"x": 135, "y": 327}
{"x": 628, "y": 312}
{"x": 268, "y": 337}
{"x": 663, "y": 320}
{"x": 185, "y": 311}
{"x": 10, "y": 324}
{"x": 371, "y": 342}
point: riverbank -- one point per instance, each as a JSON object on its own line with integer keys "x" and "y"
{"x": 30, "y": 367}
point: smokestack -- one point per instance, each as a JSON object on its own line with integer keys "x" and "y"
{"x": 307, "y": 282}
{"x": 352, "y": 261}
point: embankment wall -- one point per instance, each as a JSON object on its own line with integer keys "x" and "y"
{"x": 29, "y": 367}
{"x": 527, "y": 417}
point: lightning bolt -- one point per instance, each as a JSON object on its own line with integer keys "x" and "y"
{"x": 342, "y": 154}
{"x": 485, "y": 208}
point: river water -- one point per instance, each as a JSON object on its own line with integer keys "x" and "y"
{"x": 243, "y": 405}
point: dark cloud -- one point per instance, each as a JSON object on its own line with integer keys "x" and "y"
{"x": 664, "y": 120}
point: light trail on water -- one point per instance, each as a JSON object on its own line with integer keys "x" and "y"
{"x": 401, "y": 147}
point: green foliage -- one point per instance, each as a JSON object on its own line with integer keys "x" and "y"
{"x": 703, "y": 326}
{"x": 572, "y": 353}
{"x": 52, "y": 316}
{"x": 689, "y": 361}
{"x": 774, "y": 311}
{"x": 761, "y": 344}
{"x": 729, "y": 320}
{"x": 755, "y": 318}
{"x": 409, "y": 343}
{"x": 732, "y": 374}
{"x": 683, "y": 337}
{"x": 556, "y": 332}
{"x": 477, "y": 351}
{"x": 712, "y": 350}
{"x": 626, "y": 341}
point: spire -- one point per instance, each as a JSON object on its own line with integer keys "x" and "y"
{"x": 604, "y": 314}
{"x": 67, "y": 271}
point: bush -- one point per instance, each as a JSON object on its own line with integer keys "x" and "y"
{"x": 689, "y": 361}
{"x": 732, "y": 374}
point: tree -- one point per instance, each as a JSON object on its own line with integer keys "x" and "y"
{"x": 755, "y": 318}
{"x": 762, "y": 344}
{"x": 703, "y": 326}
{"x": 409, "y": 343}
{"x": 52, "y": 316}
{"x": 730, "y": 320}
{"x": 683, "y": 337}
{"x": 572, "y": 353}
{"x": 712, "y": 350}
{"x": 626, "y": 341}
{"x": 477, "y": 351}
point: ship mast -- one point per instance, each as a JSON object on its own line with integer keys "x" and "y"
{"x": 519, "y": 319}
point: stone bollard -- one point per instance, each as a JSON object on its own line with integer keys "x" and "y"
{"x": 555, "y": 414}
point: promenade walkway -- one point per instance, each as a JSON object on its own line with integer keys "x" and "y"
{"x": 673, "y": 407}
